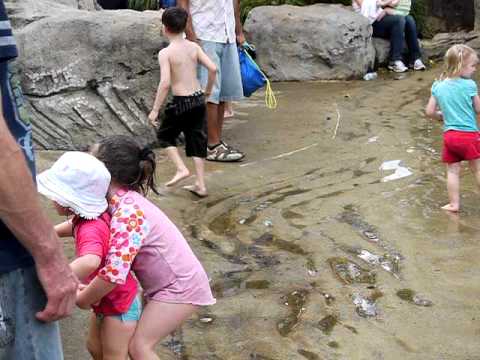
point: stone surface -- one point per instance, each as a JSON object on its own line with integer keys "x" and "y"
{"x": 311, "y": 42}
{"x": 86, "y": 74}
{"x": 476, "y": 5}
{"x": 450, "y": 16}
{"x": 436, "y": 47}
{"x": 382, "y": 50}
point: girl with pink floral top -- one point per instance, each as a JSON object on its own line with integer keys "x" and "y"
{"x": 143, "y": 239}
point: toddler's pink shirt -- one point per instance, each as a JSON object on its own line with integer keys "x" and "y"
{"x": 162, "y": 259}
{"x": 92, "y": 237}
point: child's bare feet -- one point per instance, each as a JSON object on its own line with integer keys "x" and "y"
{"x": 450, "y": 207}
{"x": 196, "y": 190}
{"x": 179, "y": 176}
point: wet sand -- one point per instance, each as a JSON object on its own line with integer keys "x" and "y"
{"x": 285, "y": 234}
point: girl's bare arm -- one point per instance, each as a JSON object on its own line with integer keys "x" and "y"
{"x": 431, "y": 109}
{"x": 476, "y": 103}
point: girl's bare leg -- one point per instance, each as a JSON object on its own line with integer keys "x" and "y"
{"x": 475, "y": 167}
{"x": 94, "y": 343}
{"x": 158, "y": 320}
{"x": 453, "y": 187}
{"x": 116, "y": 335}
{"x": 182, "y": 171}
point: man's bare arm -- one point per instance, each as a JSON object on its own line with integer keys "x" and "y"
{"x": 238, "y": 23}
{"x": 21, "y": 212}
{"x": 189, "y": 31}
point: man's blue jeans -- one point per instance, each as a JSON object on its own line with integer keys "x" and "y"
{"x": 22, "y": 336}
{"x": 398, "y": 29}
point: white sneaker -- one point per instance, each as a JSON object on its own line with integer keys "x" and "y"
{"x": 397, "y": 66}
{"x": 419, "y": 65}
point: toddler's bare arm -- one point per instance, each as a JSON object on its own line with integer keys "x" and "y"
{"x": 85, "y": 265}
{"x": 64, "y": 229}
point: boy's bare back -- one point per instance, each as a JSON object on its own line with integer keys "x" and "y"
{"x": 182, "y": 57}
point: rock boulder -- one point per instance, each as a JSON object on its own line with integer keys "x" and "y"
{"x": 86, "y": 74}
{"x": 314, "y": 42}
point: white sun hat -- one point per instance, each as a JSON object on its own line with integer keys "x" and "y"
{"x": 78, "y": 181}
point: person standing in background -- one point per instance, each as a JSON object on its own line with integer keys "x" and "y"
{"x": 216, "y": 26}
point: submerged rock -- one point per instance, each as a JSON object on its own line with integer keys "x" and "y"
{"x": 411, "y": 296}
{"x": 349, "y": 272}
{"x": 328, "y": 323}
{"x": 365, "y": 307}
{"x": 295, "y": 301}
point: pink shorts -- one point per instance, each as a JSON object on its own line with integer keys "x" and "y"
{"x": 460, "y": 145}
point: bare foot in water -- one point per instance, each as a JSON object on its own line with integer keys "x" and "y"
{"x": 195, "y": 190}
{"x": 450, "y": 207}
{"x": 179, "y": 176}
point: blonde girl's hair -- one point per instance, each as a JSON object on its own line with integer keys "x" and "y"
{"x": 455, "y": 59}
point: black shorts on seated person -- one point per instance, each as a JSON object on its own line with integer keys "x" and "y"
{"x": 185, "y": 114}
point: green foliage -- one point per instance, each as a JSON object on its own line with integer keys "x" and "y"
{"x": 419, "y": 12}
{"x": 141, "y": 5}
{"x": 247, "y": 5}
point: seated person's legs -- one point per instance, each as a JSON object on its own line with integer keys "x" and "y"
{"x": 411, "y": 36}
{"x": 392, "y": 27}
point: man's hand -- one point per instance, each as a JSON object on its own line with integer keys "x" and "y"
{"x": 60, "y": 285}
{"x": 240, "y": 39}
{"x": 153, "y": 117}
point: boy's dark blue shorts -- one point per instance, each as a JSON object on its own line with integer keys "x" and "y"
{"x": 185, "y": 114}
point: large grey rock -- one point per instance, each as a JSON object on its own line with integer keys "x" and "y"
{"x": 87, "y": 74}
{"x": 476, "y": 5}
{"x": 311, "y": 42}
{"x": 436, "y": 47}
{"x": 382, "y": 50}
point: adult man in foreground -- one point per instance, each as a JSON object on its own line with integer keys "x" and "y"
{"x": 36, "y": 285}
{"x": 216, "y": 26}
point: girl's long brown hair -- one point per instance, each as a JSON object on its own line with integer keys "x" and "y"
{"x": 129, "y": 164}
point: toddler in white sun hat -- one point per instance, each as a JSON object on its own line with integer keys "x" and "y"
{"x": 77, "y": 183}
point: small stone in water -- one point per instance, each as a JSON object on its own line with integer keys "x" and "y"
{"x": 206, "y": 320}
{"x": 370, "y": 236}
{"x": 421, "y": 302}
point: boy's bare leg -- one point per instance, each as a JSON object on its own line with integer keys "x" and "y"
{"x": 453, "y": 187}
{"x": 182, "y": 171}
{"x": 199, "y": 188}
{"x": 215, "y": 116}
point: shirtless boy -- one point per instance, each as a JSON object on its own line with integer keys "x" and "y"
{"x": 186, "y": 112}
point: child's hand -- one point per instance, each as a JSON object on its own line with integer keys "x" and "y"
{"x": 153, "y": 117}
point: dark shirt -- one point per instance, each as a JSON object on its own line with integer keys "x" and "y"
{"x": 12, "y": 254}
